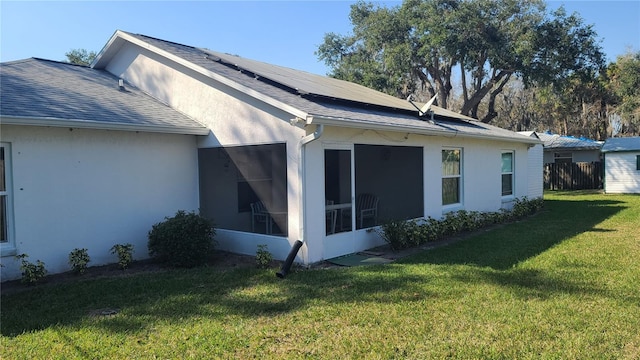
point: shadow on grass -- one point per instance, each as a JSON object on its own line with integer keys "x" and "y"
{"x": 504, "y": 247}
{"x": 143, "y": 301}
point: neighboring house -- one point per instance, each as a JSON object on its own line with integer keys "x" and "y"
{"x": 94, "y": 156}
{"x": 569, "y": 149}
{"x": 622, "y": 165}
{"x": 570, "y": 163}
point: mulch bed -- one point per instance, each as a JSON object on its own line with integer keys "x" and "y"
{"x": 220, "y": 259}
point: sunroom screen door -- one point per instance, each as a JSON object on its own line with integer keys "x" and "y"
{"x": 338, "y": 191}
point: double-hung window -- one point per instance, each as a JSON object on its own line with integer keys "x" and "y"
{"x": 6, "y": 208}
{"x": 507, "y": 173}
{"x": 451, "y": 176}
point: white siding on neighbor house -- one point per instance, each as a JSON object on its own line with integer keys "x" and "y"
{"x": 79, "y": 188}
{"x": 621, "y": 174}
{"x": 233, "y": 117}
{"x": 536, "y": 172}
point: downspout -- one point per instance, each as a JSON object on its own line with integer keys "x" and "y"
{"x": 284, "y": 270}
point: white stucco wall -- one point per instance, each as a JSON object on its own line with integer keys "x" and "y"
{"x": 78, "y": 188}
{"x": 621, "y": 175}
{"x": 234, "y": 119}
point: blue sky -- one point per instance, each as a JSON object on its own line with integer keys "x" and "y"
{"x": 285, "y": 33}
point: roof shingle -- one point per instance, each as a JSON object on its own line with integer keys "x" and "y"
{"x": 56, "y": 91}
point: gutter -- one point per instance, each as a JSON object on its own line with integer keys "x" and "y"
{"x": 102, "y": 125}
{"x": 370, "y": 125}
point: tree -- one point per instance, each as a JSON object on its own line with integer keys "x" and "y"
{"x": 624, "y": 83}
{"x": 421, "y": 45}
{"x": 80, "y": 56}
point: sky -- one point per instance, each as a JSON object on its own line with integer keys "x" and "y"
{"x": 285, "y": 33}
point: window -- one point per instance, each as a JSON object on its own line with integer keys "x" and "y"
{"x": 563, "y": 158}
{"x": 637, "y": 162}
{"x": 6, "y": 208}
{"x": 451, "y": 176}
{"x": 244, "y": 188}
{"x": 507, "y": 173}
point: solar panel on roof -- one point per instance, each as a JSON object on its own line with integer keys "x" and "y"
{"x": 312, "y": 84}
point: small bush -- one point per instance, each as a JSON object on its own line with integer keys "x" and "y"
{"x": 394, "y": 232}
{"x": 31, "y": 273}
{"x": 124, "y": 253}
{"x": 78, "y": 259}
{"x": 185, "y": 240}
{"x": 263, "y": 257}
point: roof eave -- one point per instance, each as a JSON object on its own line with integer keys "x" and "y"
{"x": 100, "y": 125}
{"x": 363, "y": 124}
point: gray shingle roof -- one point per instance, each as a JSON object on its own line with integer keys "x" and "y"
{"x": 320, "y": 99}
{"x": 621, "y": 144}
{"x": 57, "y": 92}
{"x": 555, "y": 141}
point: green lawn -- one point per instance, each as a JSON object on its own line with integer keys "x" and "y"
{"x": 564, "y": 284}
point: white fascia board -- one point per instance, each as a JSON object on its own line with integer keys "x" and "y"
{"x": 363, "y": 124}
{"x": 101, "y": 125}
{"x": 221, "y": 79}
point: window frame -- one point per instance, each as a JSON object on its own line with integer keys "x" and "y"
{"x": 563, "y": 157}
{"x": 459, "y": 176}
{"x": 512, "y": 173}
{"x": 7, "y": 248}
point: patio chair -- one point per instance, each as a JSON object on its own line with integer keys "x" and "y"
{"x": 366, "y": 208}
{"x": 331, "y": 218}
{"x": 259, "y": 214}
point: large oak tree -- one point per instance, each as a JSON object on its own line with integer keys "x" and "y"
{"x": 424, "y": 46}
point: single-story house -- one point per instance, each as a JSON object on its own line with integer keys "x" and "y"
{"x": 94, "y": 156}
{"x": 569, "y": 149}
{"x": 622, "y": 165}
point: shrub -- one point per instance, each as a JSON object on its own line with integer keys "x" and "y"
{"x": 263, "y": 257}
{"x": 124, "y": 253}
{"x": 78, "y": 259}
{"x": 401, "y": 234}
{"x": 31, "y": 273}
{"x": 185, "y": 240}
{"x": 394, "y": 232}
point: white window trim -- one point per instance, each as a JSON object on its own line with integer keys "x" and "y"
{"x": 459, "y": 205}
{"x": 8, "y": 248}
{"x": 507, "y": 198}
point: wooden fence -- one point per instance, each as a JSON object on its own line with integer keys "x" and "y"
{"x": 573, "y": 176}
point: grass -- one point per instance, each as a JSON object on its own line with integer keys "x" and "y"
{"x": 563, "y": 284}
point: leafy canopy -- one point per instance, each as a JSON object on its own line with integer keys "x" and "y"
{"x": 80, "y": 56}
{"x": 420, "y": 46}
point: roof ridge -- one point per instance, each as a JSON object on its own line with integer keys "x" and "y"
{"x": 61, "y": 62}
{"x": 164, "y": 41}
{"x": 33, "y": 58}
